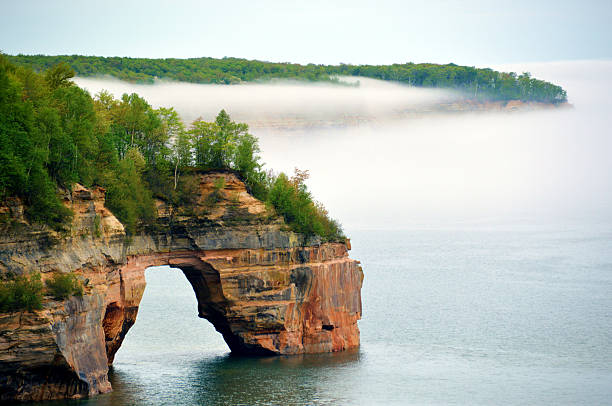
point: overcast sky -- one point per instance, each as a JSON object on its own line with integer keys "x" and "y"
{"x": 472, "y": 32}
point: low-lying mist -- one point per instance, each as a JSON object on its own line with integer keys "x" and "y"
{"x": 282, "y": 103}
{"x": 454, "y": 170}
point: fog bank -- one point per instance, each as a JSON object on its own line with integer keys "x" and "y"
{"x": 456, "y": 170}
{"x": 281, "y": 102}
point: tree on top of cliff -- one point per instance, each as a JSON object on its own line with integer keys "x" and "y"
{"x": 54, "y": 134}
{"x": 290, "y": 198}
{"x": 216, "y": 144}
{"x": 36, "y": 143}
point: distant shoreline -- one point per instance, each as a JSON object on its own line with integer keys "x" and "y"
{"x": 478, "y": 83}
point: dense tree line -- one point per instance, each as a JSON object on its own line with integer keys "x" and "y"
{"x": 475, "y": 83}
{"x": 53, "y": 134}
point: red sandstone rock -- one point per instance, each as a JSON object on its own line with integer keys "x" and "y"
{"x": 267, "y": 290}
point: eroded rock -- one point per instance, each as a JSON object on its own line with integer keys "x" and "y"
{"x": 266, "y": 289}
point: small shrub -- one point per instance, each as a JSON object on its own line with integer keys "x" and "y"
{"x": 215, "y": 196}
{"x": 62, "y": 285}
{"x": 291, "y": 199}
{"x": 21, "y": 293}
{"x": 219, "y": 184}
{"x": 188, "y": 191}
{"x": 97, "y": 226}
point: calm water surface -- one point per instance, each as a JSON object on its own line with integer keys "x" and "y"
{"x": 500, "y": 316}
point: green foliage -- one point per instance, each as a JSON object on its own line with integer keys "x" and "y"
{"x": 53, "y": 134}
{"x": 21, "y": 293}
{"x": 16, "y": 121}
{"x": 215, "y": 196}
{"x": 127, "y": 195}
{"x": 291, "y": 199}
{"x": 474, "y": 82}
{"x": 219, "y": 184}
{"x": 43, "y": 204}
{"x": 216, "y": 144}
{"x": 97, "y": 226}
{"x": 64, "y": 285}
{"x": 224, "y": 144}
{"x": 59, "y": 75}
{"x": 186, "y": 193}
{"x": 136, "y": 125}
{"x": 78, "y": 120}
{"x": 37, "y": 141}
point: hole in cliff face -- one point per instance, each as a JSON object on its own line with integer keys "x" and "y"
{"x": 167, "y": 323}
{"x": 327, "y": 327}
{"x": 167, "y": 328}
{"x": 212, "y": 304}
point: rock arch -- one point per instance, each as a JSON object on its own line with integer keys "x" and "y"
{"x": 266, "y": 289}
{"x": 283, "y": 301}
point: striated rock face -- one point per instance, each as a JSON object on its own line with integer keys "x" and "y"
{"x": 266, "y": 289}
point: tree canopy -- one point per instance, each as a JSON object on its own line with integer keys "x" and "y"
{"x": 475, "y": 83}
{"x": 54, "y": 134}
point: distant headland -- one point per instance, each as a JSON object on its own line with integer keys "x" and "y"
{"x": 478, "y": 84}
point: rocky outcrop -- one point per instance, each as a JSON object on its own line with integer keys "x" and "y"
{"x": 266, "y": 289}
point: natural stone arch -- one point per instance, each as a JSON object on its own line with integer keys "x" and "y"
{"x": 205, "y": 281}
{"x": 267, "y": 289}
{"x": 212, "y": 303}
{"x": 261, "y": 301}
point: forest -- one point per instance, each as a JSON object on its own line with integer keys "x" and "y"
{"x": 474, "y": 83}
{"x": 54, "y": 134}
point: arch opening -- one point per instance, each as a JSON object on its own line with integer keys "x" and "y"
{"x": 166, "y": 310}
{"x": 212, "y": 304}
{"x": 205, "y": 281}
{"x": 263, "y": 302}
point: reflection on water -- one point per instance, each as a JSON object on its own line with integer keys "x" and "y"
{"x": 231, "y": 380}
{"x": 295, "y": 380}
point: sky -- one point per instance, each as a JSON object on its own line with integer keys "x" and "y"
{"x": 472, "y": 32}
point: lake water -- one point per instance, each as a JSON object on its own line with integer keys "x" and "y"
{"x": 481, "y": 316}
{"x": 455, "y": 312}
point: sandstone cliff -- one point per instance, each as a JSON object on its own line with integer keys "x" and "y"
{"x": 266, "y": 289}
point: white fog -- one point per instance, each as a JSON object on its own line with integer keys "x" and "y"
{"x": 458, "y": 169}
